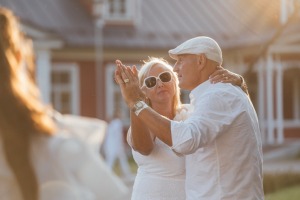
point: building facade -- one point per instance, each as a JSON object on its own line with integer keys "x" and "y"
{"x": 78, "y": 41}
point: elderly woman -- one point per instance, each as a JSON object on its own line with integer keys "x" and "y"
{"x": 161, "y": 173}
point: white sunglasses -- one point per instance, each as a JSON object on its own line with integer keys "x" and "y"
{"x": 151, "y": 81}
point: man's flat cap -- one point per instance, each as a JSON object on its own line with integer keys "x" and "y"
{"x": 197, "y": 46}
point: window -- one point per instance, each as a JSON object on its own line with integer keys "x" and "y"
{"x": 117, "y": 7}
{"x": 287, "y": 8}
{"x": 65, "y": 88}
{"x": 291, "y": 94}
{"x": 121, "y": 11}
{"x": 114, "y": 100}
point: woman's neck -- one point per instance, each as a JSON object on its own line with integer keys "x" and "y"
{"x": 164, "y": 109}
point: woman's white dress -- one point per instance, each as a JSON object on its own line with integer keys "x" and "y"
{"x": 67, "y": 168}
{"x": 160, "y": 175}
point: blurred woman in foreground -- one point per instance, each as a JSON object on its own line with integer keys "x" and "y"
{"x": 37, "y": 159}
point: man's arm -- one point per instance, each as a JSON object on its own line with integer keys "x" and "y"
{"x": 211, "y": 116}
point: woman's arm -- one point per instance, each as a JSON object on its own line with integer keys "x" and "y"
{"x": 139, "y": 136}
{"x": 226, "y": 76}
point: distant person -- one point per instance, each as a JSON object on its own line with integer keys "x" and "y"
{"x": 38, "y": 159}
{"x": 114, "y": 146}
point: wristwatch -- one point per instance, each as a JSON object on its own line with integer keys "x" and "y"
{"x": 138, "y": 107}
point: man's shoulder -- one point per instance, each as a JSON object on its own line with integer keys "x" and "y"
{"x": 226, "y": 89}
{"x": 222, "y": 92}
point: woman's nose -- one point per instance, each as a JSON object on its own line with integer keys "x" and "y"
{"x": 159, "y": 83}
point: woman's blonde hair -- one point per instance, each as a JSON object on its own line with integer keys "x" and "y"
{"x": 147, "y": 66}
{"x": 22, "y": 113}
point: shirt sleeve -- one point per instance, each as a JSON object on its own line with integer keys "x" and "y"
{"x": 212, "y": 115}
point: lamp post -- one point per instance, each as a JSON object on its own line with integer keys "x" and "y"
{"x": 98, "y": 12}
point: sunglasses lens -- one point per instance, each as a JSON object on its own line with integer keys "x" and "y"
{"x": 150, "y": 82}
{"x": 165, "y": 77}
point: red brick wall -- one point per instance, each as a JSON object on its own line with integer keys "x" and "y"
{"x": 292, "y": 133}
{"x": 87, "y": 89}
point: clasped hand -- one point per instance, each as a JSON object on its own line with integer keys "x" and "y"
{"x": 127, "y": 79}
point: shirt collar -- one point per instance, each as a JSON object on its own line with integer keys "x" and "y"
{"x": 197, "y": 91}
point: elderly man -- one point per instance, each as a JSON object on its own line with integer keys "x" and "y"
{"x": 220, "y": 137}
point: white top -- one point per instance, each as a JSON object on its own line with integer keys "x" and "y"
{"x": 161, "y": 174}
{"x": 67, "y": 168}
{"x": 222, "y": 144}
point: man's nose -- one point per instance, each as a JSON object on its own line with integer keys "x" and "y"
{"x": 175, "y": 68}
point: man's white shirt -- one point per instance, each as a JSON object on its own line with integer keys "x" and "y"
{"x": 222, "y": 143}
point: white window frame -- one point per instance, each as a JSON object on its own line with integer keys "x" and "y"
{"x": 111, "y": 88}
{"x": 73, "y": 87}
{"x": 295, "y": 121}
{"x": 130, "y": 16}
{"x": 286, "y": 9}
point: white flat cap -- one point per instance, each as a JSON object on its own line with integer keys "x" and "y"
{"x": 199, "y": 45}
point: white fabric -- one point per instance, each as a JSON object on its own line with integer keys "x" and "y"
{"x": 90, "y": 130}
{"x": 67, "y": 168}
{"x": 197, "y": 46}
{"x": 161, "y": 174}
{"x": 222, "y": 144}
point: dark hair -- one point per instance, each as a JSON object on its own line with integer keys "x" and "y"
{"x": 22, "y": 114}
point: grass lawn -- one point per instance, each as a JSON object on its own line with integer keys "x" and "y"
{"x": 132, "y": 164}
{"x": 273, "y": 183}
{"x": 291, "y": 193}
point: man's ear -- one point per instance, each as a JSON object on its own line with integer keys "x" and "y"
{"x": 202, "y": 61}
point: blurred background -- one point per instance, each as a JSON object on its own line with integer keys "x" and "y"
{"x": 77, "y": 41}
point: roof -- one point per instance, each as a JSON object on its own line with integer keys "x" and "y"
{"x": 163, "y": 24}
{"x": 65, "y": 18}
{"x": 231, "y": 23}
